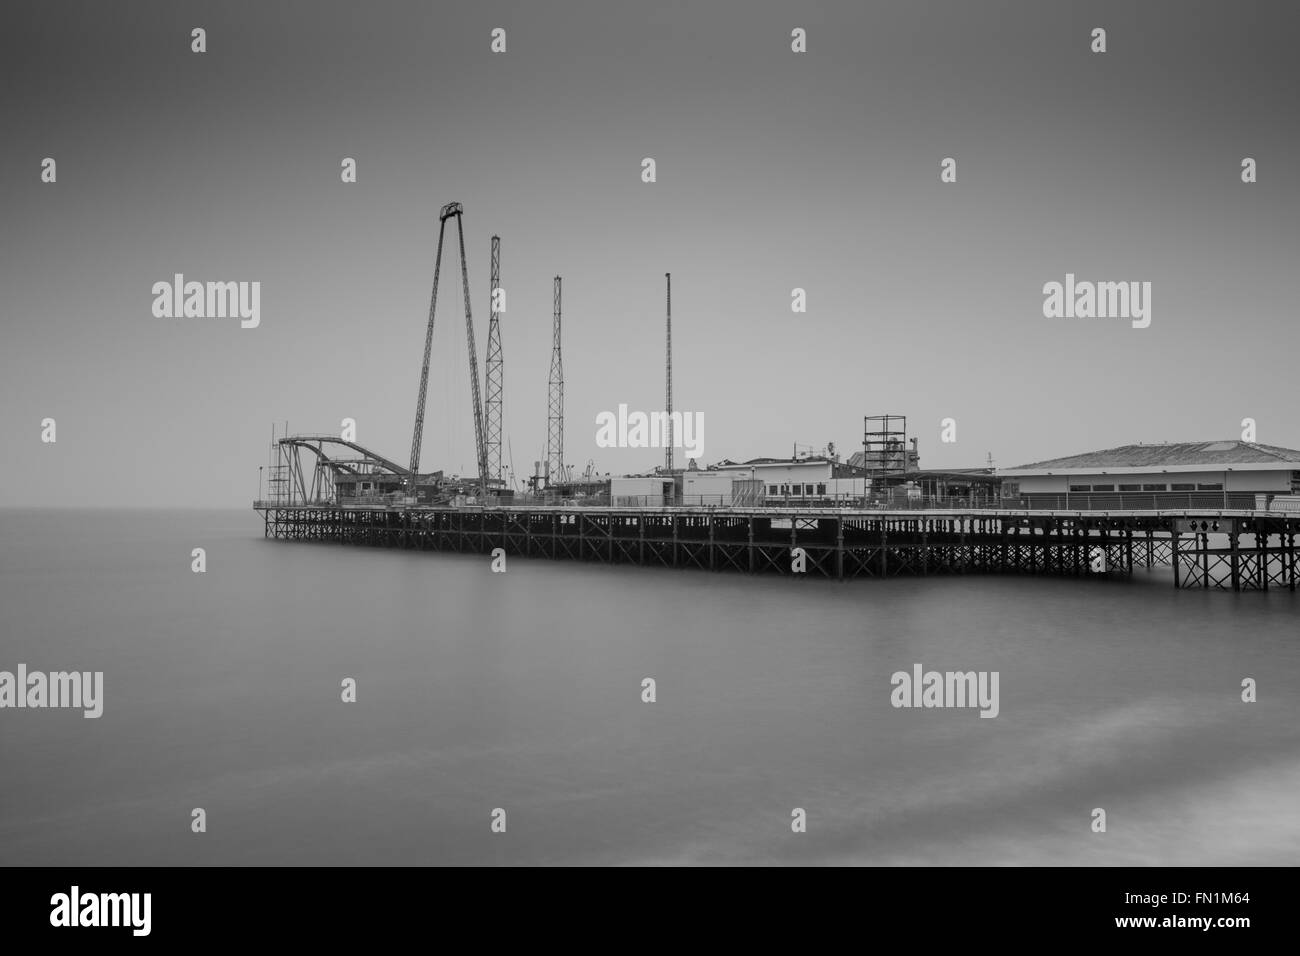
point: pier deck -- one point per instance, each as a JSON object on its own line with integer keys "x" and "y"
{"x": 1259, "y": 553}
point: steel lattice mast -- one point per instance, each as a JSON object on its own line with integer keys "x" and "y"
{"x": 495, "y": 370}
{"x": 555, "y": 407}
{"x": 668, "y": 381}
{"x": 449, "y": 210}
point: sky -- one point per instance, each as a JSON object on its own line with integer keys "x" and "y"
{"x": 775, "y": 170}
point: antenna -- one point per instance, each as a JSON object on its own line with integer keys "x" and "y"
{"x": 555, "y": 410}
{"x": 668, "y": 377}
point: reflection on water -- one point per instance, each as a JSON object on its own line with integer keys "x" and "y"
{"x": 523, "y": 691}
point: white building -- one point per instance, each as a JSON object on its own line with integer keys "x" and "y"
{"x": 1227, "y": 472}
{"x": 645, "y": 492}
{"x": 722, "y": 489}
{"x": 801, "y": 478}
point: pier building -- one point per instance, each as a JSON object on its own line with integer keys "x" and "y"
{"x": 1214, "y": 474}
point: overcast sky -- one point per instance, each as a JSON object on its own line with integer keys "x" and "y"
{"x": 776, "y": 170}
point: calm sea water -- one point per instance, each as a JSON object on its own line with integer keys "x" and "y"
{"x": 523, "y": 691}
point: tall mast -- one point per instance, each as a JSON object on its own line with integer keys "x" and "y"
{"x": 495, "y": 369}
{"x": 555, "y": 471}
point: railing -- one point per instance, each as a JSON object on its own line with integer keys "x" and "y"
{"x": 1152, "y": 501}
{"x": 296, "y": 503}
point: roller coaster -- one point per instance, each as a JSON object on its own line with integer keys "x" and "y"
{"x": 370, "y": 478}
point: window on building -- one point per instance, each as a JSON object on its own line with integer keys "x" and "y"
{"x": 785, "y": 489}
{"x": 821, "y": 489}
{"x": 1185, "y": 486}
{"x": 1081, "y": 487}
{"x": 807, "y": 489}
{"x": 1215, "y": 486}
{"x": 1153, "y": 487}
{"x": 1103, "y": 487}
{"x": 1130, "y": 487}
{"x": 772, "y": 490}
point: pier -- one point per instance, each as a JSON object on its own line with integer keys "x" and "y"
{"x": 1238, "y": 550}
{"x": 1221, "y": 514}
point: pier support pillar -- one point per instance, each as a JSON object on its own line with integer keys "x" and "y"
{"x": 1234, "y": 541}
{"x": 1261, "y": 560}
{"x": 839, "y": 548}
{"x": 794, "y": 539}
{"x": 1290, "y": 553}
{"x": 1173, "y": 554}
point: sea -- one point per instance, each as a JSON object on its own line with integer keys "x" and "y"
{"x": 504, "y": 719}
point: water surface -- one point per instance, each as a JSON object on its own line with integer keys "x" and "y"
{"x": 523, "y": 691}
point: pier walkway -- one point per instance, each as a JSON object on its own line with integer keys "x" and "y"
{"x": 1237, "y": 550}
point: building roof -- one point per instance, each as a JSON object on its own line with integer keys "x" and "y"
{"x": 1183, "y": 456}
{"x": 811, "y": 460}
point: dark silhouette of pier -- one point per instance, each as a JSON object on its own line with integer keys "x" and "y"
{"x": 1237, "y": 550}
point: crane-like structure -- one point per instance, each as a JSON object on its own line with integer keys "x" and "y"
{"x": 447, "y": 212}
{"x": 668, "y": 380}
{"x": 495, "y": 369}
{"x": 555, "y": 471}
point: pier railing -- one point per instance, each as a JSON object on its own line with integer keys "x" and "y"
{"x": 1216, "y": 501}
{"x": 1153, "y": 501}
